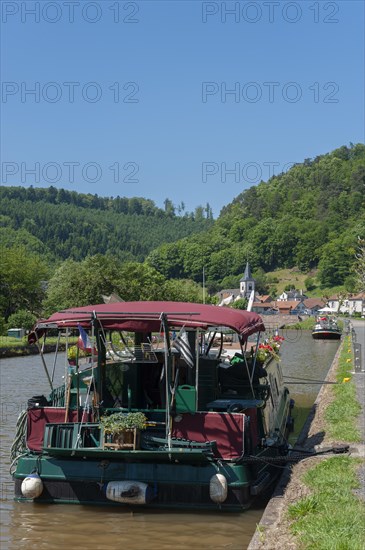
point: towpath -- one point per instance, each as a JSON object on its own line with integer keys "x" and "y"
{"x": 273, "y": 530}
{"x": 359, "y": 371}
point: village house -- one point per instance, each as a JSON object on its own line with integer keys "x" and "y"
{"x": 357, "y": 304}
{"x": 293, "y": 302}
{"x": 312, "y": 305}
{"x": 291, "y": 295}
{"x": 350, "y": 304}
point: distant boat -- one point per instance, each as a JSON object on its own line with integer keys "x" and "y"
{"x": 326, "y": 328}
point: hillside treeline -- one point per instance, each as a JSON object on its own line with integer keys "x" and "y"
{"x": 61, "y": 248}
{"x": 308, "y": 217}
{"x": 64, "y": 224}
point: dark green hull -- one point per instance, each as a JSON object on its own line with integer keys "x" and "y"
{"x": 173, "y": 484}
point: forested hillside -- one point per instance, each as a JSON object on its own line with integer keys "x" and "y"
{"x": 308, "y": 217}
{"x": 64, "y": 224}
{"x": 61, "y": 248}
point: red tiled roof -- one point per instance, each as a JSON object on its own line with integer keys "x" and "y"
{"x": 312, "y": 302}
{"x": 360, "y": 296}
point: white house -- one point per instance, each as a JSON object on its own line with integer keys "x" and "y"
{"x": 350, "y": 305}
{"x": 291, "y": 296}
{"x": 357, "y": 304}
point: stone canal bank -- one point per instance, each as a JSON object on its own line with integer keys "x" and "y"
{"x": 273, "y": 531}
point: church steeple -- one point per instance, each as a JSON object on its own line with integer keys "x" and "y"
{"x": 247, "y": 274}
{"x": 247, "y": 283}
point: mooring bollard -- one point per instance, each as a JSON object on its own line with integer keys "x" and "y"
{"x": 357, "y": 357}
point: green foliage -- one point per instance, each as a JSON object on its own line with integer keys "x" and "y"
{"x": 342, "y": 413}
{"x": 287, "y": 288}
{"x": 2, "y": 326}
{"x": 304, "y": 507}
{"x": 306, "y": 324}
{"x": 86, "y": 282}
{"x": 183, "y": 290}
{"x": 309, "y": 283}
{"x": 231, "y": 281}
{"x": 308, "y": 217}
{"x": 21, "y": 280}
{"x": 74, "y": 352}
{"x": 241, "y": 303}
{"x": 359, "y": 266}
{"x": 118, "y": 422}
{"x": 81, "y": 283}
{"x": 262, "y": 282}
{"x": 22, "y": 319}
{"x": 332, "y": 516}
{"x": 68, "y": 225}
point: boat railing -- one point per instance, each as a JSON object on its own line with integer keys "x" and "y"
{"x": 72, "y": 435}
{"x": 143, "y": 353}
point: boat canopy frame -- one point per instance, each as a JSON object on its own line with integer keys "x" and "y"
{"x": 146, "y": 317}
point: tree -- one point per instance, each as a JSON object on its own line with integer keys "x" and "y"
{"x": 22, "y": 276}
{"x": 137, "y": 281}
{"x": 359, "y": 266}
{"x": 184, "y": 290}
{"x": 261, "y": 282}
{"x": 334, "y": 266}
{"x": 169, "y": 207}
{"x": 22, "y": 319}
{"x": 309, "y": 283}
{"x": 241, "y": 303}
{"x": 82, "y": 283}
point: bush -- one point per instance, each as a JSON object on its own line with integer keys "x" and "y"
{"x": 309, "y": 283}
{"x": 22, "y": 319}
{"x": 241, "y": 303}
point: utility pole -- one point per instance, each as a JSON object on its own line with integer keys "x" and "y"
{"x": 203, "y": 285}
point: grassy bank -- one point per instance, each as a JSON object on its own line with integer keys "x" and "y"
{"x": 341, "y": 414}
{"x": 13, "y": 347}
{"x": 8, "y": 342}
{"x": 331, "y": 516}
{"x": 306, "y": 324}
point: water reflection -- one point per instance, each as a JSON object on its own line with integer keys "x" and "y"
{"x": 56, "y": 527}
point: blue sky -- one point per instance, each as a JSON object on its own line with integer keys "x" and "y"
{"x": 187, "y": 100}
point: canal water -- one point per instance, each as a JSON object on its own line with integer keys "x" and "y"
{"x": 53, "y": 527}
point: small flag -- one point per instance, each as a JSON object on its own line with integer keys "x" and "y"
{"x": 181, "y": 343}
{"x": 84, "y": 341}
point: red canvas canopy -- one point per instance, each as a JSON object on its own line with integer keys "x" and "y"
{"x": 146, "y": 317}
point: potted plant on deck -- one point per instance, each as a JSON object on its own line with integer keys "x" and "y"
{"x": 122, "y": 430}
{"x": 74, "y": 354}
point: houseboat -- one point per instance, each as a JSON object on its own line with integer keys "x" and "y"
{"x": 326, "y": 328}
{"x": 153, "y": 412}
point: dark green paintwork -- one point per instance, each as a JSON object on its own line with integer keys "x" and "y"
{"x": 57, "y": 468}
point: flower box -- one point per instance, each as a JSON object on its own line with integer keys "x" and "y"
{"x": 122, "y": 430}
{"x": 125, "y": 439}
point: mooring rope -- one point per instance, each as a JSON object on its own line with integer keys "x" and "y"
{"x": 294, "y": 456}
{"x": 19, "y": 444}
